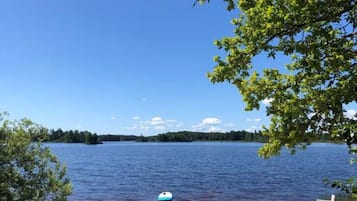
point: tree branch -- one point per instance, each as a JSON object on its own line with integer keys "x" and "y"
{"x": 297, "y": 27}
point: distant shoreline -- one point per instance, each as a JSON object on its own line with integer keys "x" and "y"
{"x": 180, "y": 136}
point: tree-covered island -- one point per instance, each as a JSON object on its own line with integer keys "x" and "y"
{"x": 73, "y": 137}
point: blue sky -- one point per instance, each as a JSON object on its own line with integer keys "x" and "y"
{"x": 121, "y": 67}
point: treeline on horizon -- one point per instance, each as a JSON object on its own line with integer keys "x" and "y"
{"x": 190, "y": 136}
{"x": 75, "y": 136}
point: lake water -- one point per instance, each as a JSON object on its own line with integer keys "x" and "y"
{"x": 207, "y": 171}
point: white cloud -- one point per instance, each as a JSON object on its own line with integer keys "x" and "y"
{"x": 253, "y": 129}
{"x": 254, "y": 120}
{"x": 267, "y": 101}
{"x": 211, "y": 121}
{"x": 209, "y": 124}
{"x": 136, "y": 118}
{"x": 156, "y": 121}
{"x": 351, "y": 114}
{"x": 215, "y": 129}
{"x": 113, "y": 118}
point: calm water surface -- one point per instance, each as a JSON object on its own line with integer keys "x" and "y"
{"x": 200, "y": 171}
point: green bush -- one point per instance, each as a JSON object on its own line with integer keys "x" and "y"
{"x": 28, "y": 170}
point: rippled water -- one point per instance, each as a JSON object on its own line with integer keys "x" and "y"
{"x": 200, "y": 171}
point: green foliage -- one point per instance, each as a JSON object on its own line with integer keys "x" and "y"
{"x": 28, "y": 170}
{"x": 308, "y": 95}
{"x": 110, "y": 137}
{"x": 91, "y": 139}
{"x": 348, "y": 186}
{"x": 230, "y": 3}
{"x": 73, "y": 137}
{"x": 189, "y": 136}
